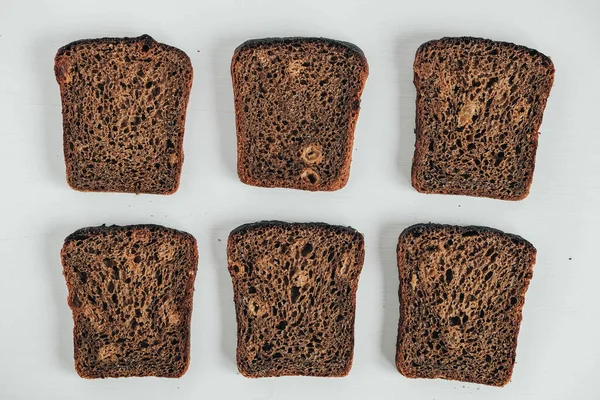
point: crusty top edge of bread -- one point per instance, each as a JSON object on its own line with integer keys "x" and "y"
{"x": 147, "y": 39}
{"x": 254, "y": 43}
{"x": 458, "y": 39}
{"x": 464, "y": 228}
{"x": 85, "y": 233}
{"x": 282, "y": 224}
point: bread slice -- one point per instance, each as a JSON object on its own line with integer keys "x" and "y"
{"x": 295, "y": 294}
{"x": 462, "y": 291}
{"x": 123, "y": 102}
{"x": 296, "y": 106}
{"x": 130, "y": 290}
{"x": 479, "y": 108}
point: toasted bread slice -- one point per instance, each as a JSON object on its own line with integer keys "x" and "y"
{"x": 295, "y": 293}
{"x": 296, "y": 106}
{"x": 462, "y": 291}
{"x": 124, "y": 102}
{"x": 479, "y": 108}
{"x": 130, "y": 290}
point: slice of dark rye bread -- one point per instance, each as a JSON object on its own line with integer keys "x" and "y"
{"x": 124, "y": 102}
{"x": 296, "y": 105}
{"x": 479, "y": 108}
{"x": 295, "y": 295}
{"x": 462, "y": 291}
{"x": 131, "y": 291}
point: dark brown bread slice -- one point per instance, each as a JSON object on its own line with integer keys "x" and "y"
{"x": 124, "y": 102}
{"x": 462, "y": 291}
{"x": 130, "y": 290}
{"x": 295, "y": 295}
{"x": 296, "y": 106}
{"x": 479, "y": 108}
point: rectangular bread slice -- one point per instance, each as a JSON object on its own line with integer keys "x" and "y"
{"x": 479, "y": 107}
{"x": 462, "y": 291}
{"x": 124, "y": 102}
{"x": 295, "y": 296}
{"x": 131, "y": 291}
{"x": 296, "y": 106}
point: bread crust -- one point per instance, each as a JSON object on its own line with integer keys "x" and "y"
{"x": 244, "y": 175}
{"x": 408, "y": 370}
{"x": 60, "y": 71}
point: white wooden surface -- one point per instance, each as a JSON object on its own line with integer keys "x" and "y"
{"x": 558, "y": 355}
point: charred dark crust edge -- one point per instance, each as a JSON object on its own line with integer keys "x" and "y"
{"x": 478, "y": 40}
{"x": 272, "y": 41}
{"x": 463, "y": 228}
{"x": 282, "y": 224}
{"x": 88, "y": 232}
{"x": 145, "y": 39}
